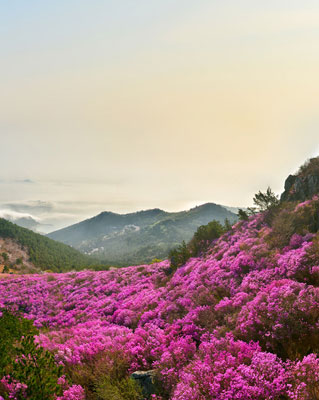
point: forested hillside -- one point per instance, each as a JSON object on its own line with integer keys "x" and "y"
{"x": 43, "y": 253}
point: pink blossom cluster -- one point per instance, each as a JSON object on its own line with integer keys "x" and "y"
{"x": 15, "y": 389}
{"x": 75, "y": 392}
{"x": 226, "y": 369}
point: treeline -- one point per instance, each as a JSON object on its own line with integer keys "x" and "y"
{"x": 45, "y": 253}
{"x": 199, "y": 243}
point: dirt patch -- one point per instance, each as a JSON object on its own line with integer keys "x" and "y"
{"x": 15, "y": 257}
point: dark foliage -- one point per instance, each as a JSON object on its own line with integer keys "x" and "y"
{"x": 200, "y": 242}
{"x": 263, "y": 201}
{"x": 311, "y": 167}
{"x": 12, "y": 328}
{"x": 285, "y": 223}
{"x": 23, "y": 361}
{"x": 243, "y": 215}
{"x": 105, "y": 379}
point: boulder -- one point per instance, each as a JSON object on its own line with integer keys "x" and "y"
{"x": 147, "y": 381}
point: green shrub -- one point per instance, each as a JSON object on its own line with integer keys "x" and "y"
{"x": 200, "y": 242}
{"x": 204, "y": 235}
{"x": 121, "y": 389}
{"x": 285, "y": 222}
{"x": 180, "y": 255}
{"x": 156, "y": 260}
{"x": 36, "y": 368}
{"x": 12, "y": 328}
{"x": 24, "y": 361}
{"x": 105, "y": 376}
{"x": 5, "y": 269}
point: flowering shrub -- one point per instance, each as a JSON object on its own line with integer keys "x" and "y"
{"x": 75, "y": 392}
{"x": 225, "y": 369}
{"x": 177, "y": 354}
{"x": 239, "y": 322}
{"x": 304, "y": 377}
{"x": 283, "y": 317}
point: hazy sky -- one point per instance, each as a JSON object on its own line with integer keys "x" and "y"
{"x": 121, "y": 105}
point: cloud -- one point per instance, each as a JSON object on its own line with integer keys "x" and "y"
{"x": 46, "y": 216}
{"x": 14, "y": 215}
{"x": 28, "y": 181}
{"x": 23, "y": 219}
{"x": 36, "y": 206}
{"x": 24, "y": 181}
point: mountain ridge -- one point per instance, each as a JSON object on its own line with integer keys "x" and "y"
{"x": 141, "y": 236}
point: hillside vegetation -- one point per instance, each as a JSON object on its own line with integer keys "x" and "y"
{"x": 38, "y": 252}
{"x": 240, "y": 320}
{"x": 140, "y": 237}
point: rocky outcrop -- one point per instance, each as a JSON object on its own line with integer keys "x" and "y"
{"x": 147, "y": 381}
{"x": 300, "y": 188}
{"x": 303, "y": 185}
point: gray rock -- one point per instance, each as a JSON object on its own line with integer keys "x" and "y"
{"x": 300, "y": 188}
{"x": 147, "y": 381}
{"x": 290, "y": 181}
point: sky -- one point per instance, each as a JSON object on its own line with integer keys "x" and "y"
{"x": 124, "y": 105}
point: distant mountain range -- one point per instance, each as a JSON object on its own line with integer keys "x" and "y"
{"x": 135, "y": 238}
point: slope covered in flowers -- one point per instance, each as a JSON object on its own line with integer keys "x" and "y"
{"x": 239, "y": 322}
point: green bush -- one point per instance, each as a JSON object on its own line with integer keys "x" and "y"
{"x": 200, "y": 242}
{"x": 26, "y": 362}
{"x": 36, "y": 368}
{"x": 105, "y": 377}
{"x": 12, "y": 328}
{"x": 285, "y": 222}
{"x": 122, "y": 389}
{"x": 5, "y": 256}
{"x": 5, "y": 269}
